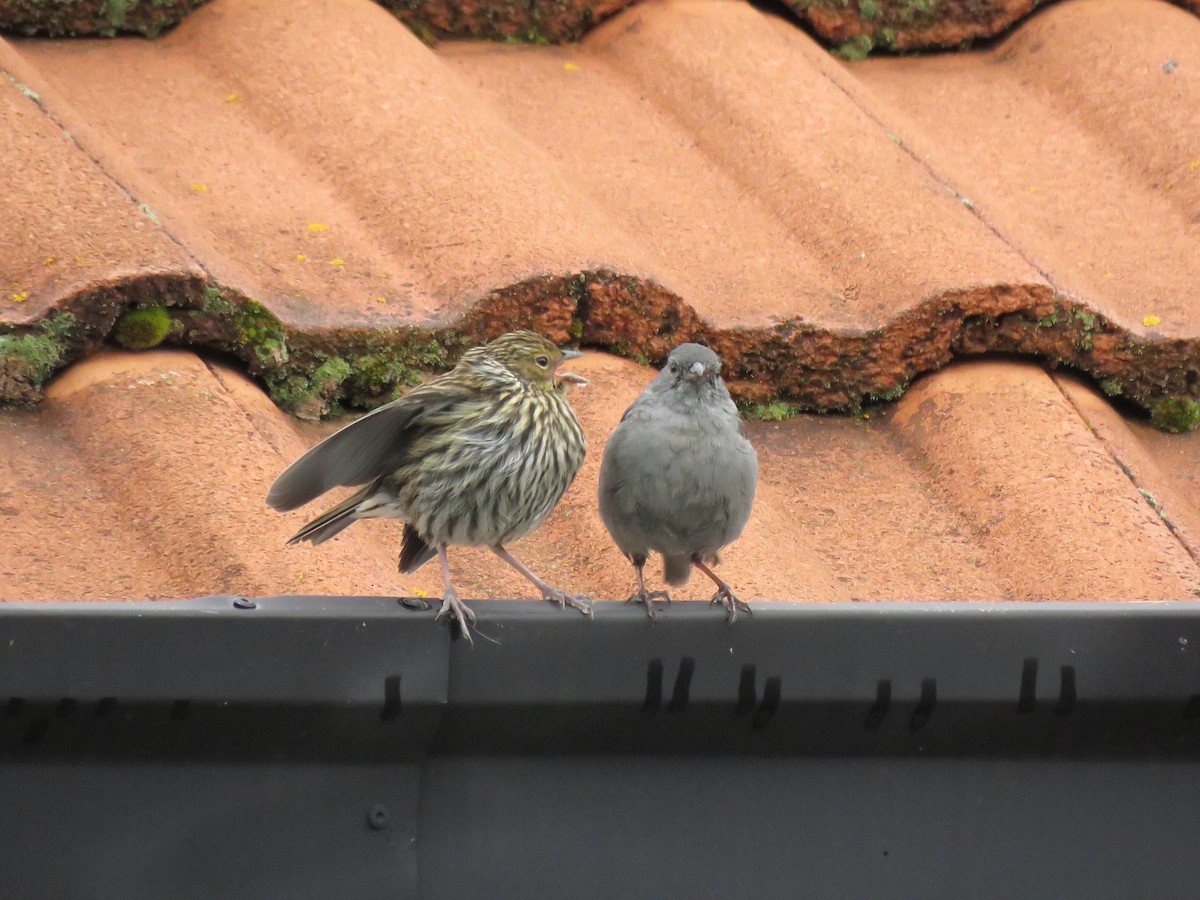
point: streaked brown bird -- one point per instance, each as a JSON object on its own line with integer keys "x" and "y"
{"x": 478, "y": 456}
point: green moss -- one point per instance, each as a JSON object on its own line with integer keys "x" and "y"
{"x": 912, "y": 11}
{"x": 577, "y": 287}
{"x": 261, "y": 331}
{"x": 371, "y": 369}
{"x": 857, "y": 48}
{"x": 1048, "y": 321}
{"x": 309, "y": 396}
{"x": 142, "y": 328}
{"x": 115, "y": 10}
{"x": 887, "y": 38}
{"x": 1086, "y": 319}
{"x": 28, "y": 360}
{"x": 868, "y": 9}
{"x": 775, "y": 411}
{"x": 331, "y": 372}
{"x": 530, "y": 34}
{"x": 1112, "y": 387}
{"x": 424, "y": 33}
{"x": 1175, "y": 414}
{"x": 378, "y": 372}
{"x": 576, "y": 329}
{"x": 215, "y": 304}
{"x": 58, "y": 18}
{"x": 893, "y": 393}
{"x": 29, "y": 356}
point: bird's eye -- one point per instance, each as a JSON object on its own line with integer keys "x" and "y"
{"x": 673, "y": 366}
{"x": 542, "y": 361}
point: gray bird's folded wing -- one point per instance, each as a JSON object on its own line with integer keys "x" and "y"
{"x": 364, "y": 450}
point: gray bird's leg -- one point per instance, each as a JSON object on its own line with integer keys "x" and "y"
{"x": 724, "y": 593}
{"x": 451, "y": 605}
{"x": 643, "y": 595}
{"x": 553, "y": 594}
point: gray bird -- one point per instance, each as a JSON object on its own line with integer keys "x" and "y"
{"x": 678, "y": 475}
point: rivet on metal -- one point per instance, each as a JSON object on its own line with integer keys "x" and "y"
{"x": 377, "y": 817}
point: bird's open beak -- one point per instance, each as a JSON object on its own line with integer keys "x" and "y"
{"x": 571, "y": 377}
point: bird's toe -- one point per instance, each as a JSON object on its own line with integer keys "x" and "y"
{"x": 462, "y": 615}
{"x": 647, "y": 598}
{"x": 563, "y": 599}
{"x": 732, "y": 604}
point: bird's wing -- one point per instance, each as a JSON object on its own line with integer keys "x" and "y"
{"x": 366, "y": 449}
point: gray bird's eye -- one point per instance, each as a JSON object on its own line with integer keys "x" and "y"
{"x": 673, "y": 366}
{"x": 542, "y": 361}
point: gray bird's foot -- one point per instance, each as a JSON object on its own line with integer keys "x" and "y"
{"x": 648, "y": 597}
{"x": 563, "y": 599}
{"x": 726, "y": 597}
{"x": 459, "y": 612}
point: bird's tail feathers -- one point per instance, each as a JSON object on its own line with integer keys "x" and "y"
{"x": 676, "y": 570}
{"x": 332, "y": 521}
{"x": 414, "y": 552}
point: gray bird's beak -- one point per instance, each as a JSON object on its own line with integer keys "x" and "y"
{"x": 571, "y": 377}
{"x": 696, "y": 372}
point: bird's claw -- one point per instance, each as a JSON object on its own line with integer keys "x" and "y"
{"x": 462, "y": 614}
{"x": 648, "y": 598}
{"x": 731, "y": 603}
{"x": 563, "y": 599}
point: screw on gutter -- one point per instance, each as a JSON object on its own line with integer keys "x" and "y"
{"x": 244, "y": 603}
{"x": 377, "y": 817}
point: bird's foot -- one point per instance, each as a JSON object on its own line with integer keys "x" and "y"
{"x": 459, "y": 612}
{"x": 731, "y": 603}
{"x": 563, "y": 599}
{"x": 648, "y": 597}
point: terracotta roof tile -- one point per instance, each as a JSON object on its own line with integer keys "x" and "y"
{"x": 856, "y": 226}
{"x": 143, "y": 475}
{"x": 67, "y": 227}
{"x": 691, "y": 169}
{"x": 1107, "y": 201}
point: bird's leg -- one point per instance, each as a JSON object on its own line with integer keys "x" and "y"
{"x": 643, "y": 595}
{"x": 451, "y": 605}
{"x": 553, "y": 594}
{"x": 724, "y": 593}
